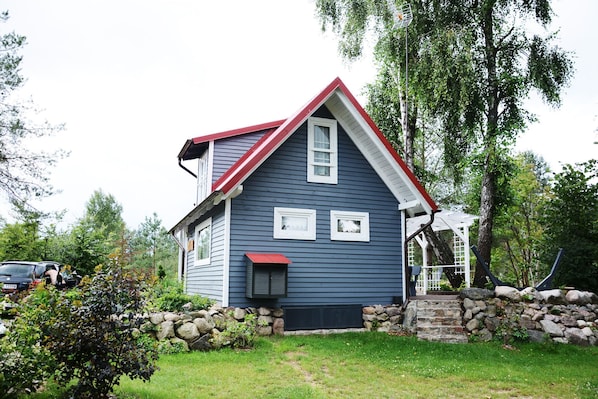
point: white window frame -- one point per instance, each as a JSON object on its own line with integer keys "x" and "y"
{"x": 311, "y": 150}
{"x": 206, "y": 224}
{"x": 309, "y": 216}
{"x": 364, "y": 221}
{"x": 204, "y": 174}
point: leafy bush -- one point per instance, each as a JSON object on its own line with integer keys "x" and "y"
{"x": 172, "y": 298}
{"x": 98, "y": 340}
{"x": 89, "y": 335}
{"x": 24, "y": 363}
{"x": 240, "y": 334}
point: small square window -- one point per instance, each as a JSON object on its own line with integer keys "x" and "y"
{"x": 349, "y": 226}
{"x": 203, "y": 242}
{"x": 322, "y": 156}
{"x": 295, "y": 223}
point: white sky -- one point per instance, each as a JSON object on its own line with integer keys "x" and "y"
{"x": 133, "y": 79}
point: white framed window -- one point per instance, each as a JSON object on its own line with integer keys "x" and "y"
{"x": 294, "y": 223}
{"x": 203, "y": 242}
{"x": 322, "y": 155}
{"x": 349, "y": 226}
{"x": 204, "y": 175}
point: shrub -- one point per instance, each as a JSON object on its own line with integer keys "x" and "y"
{"x": 93, "y": 333}
{"x": 24, "y": 363}
{"x": 171, "y": 298}
{"x": 240, "y": 334}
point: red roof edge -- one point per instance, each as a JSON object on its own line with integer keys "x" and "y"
{"x": 268, "y": 258}
{"x": 388, "y": 145}
{"x": 279, "y": 133}
{"x": 236, "y": 172}
{"x": 237, "y": 132}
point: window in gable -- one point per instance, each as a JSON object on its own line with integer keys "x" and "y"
{"x": 294, "y": 223}
{"x": 203, "y": 242}
{"x": 203, "y": 176}
{"x": 349, "y": 226}
{"x": 322, "y": 156}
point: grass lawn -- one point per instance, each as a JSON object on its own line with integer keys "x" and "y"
{"x": 373, "y": 365}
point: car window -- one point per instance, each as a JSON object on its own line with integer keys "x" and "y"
{"x": 16, "y": 270}
{"x": 40, "y": 270}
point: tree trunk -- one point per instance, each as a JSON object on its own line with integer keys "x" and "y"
{"x": 486, "y": 221}
{"x": 408, "y": 135}
{"x": 445, "y": 256}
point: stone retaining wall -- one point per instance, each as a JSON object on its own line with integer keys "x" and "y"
{"x": 562, "y": 316}
{"x": 203, "y": 329}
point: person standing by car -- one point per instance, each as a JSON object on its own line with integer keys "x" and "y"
{"x": 52, "y": 273}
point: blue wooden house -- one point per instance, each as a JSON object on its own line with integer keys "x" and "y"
{"x": 307, "y": 214}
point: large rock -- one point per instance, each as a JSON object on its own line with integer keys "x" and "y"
{"x": 203, "y": 325}
{"x": 165, "y": 330}
{"x": 156, "y": 318}
{"x": 551, "y": 328}
{"x": 278, "y": 326}
{"x": 188, "y": 331}
{"x": 555, "y": 296}
{"x": 510, "y": 293}
{"x": 472, "y": 324}
{"x": 476, "y": 293}
{"x": 201, "y": 343}
{"x": 239, "y": 314}
{"x": 576, "y": 336}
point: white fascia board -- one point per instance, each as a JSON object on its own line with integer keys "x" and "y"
{"x": 379, "y": 157}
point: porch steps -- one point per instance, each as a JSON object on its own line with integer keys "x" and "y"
{"x": 440, "y": 320}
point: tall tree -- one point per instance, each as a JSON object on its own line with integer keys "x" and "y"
{"x": 571, "y": 223}
{"x": 153, "y": 247}
{"x": 519, "y": 231}
{"x": 104, "y": 213}
{"x": 23, "y": 173}
{"x": 474, "y": 64}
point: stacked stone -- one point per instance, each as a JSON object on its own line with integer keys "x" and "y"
{"x": 200, "y": 330}
{"x": 562, "y": 316}
{"x": 381, "y": 318}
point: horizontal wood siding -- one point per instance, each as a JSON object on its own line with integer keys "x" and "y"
{"x": 322, "y": 271}
{"x": 228, "y": 151}
{"x": 206, "y": 280}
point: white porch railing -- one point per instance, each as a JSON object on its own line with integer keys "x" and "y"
{"x": 431, "y": 277}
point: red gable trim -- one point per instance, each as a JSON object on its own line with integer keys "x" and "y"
{"x": 237, "y": 132}
{"x": 273, "y": 139}
{"x": 269, "y": 142}
{"x": 268, "y": 258}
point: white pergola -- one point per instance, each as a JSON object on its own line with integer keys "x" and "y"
{"x": 456, "y": 221}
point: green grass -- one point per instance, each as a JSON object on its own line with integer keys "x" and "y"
{"x": 373, "y": 365}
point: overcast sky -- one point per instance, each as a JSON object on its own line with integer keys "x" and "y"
{"x": 133, "y": 79}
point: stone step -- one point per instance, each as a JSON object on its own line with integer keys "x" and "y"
{"x": 438, "y": 313}
{"x": 440, "y": 321}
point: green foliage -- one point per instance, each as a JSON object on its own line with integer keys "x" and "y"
{"x": 510, "y": 331}
{"x": 153, "y": 249}
{"x": 98, "y": 333}
{"x": 571, "y": 223}
{"x": 518, "y": 231}
{"x": 25, "y": 363}
{"x": 87, "y": 338}
{"x": 471, "y": 63}
{"x": 171, "y": 297}
{"x": 240, "y": 334}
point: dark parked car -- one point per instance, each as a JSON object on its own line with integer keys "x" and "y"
{"x": 22, "y": 275}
